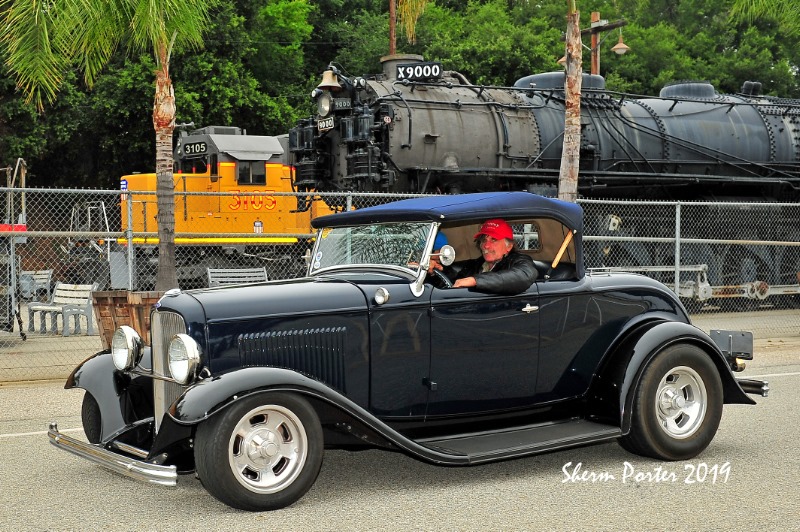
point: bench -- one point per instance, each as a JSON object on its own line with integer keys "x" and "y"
{"x": 226, "y": 276}
{"x": 69, "y": 300}
{"x": 33, "y": 284}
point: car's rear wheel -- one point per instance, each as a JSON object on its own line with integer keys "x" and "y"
{"x": 90, "y": 416}
{"x": 262, "y": 453}
{"x": 677, "y": 405}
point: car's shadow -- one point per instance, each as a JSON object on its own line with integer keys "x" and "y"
{"x": 347, "y": 474}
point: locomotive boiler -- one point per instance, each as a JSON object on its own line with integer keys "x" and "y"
{"x": 416, "y": 127}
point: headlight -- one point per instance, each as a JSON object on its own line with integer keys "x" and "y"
{"x": 126, "y": 348}
{"x": 324, "y": 104}
{"x": 184, "y": 356}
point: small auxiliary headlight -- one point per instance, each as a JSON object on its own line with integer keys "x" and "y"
{"x": 184, "y": 357}
{"x": 126, "y": 348}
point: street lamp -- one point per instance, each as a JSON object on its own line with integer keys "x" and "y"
{"x": 620, "y": 48}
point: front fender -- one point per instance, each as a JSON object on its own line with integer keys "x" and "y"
{"x": 98, "y": 376}
{"x": 213, "y": 395}
{"x": 612, "y": 390}
{"x": 207, "y": 397}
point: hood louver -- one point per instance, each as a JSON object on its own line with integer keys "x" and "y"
{"x": 318, "y": 353}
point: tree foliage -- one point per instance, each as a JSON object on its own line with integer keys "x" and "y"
{"x": 261, "y": 58}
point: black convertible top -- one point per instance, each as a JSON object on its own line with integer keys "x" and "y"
{"x": 462, "y": 207}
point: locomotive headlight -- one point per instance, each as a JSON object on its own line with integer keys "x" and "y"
{"x": 184, "y": 357}
{"x": 126, "y": 348}
{"x": 324, "y": 104}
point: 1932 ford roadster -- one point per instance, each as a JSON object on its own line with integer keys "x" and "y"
{"x": 247, "y": 385}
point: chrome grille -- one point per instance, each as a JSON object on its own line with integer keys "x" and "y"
{"x": 163, "y": 326}
{"x": 316, "y": 352}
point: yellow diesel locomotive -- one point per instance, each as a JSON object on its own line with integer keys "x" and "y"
{"x": 229, "y": 211}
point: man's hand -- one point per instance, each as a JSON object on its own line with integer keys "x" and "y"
{"x": 435, "y": 265}
{"x": 466, "y": 282}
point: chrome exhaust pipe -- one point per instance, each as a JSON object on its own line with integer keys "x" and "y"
{"x": 754, "y": 386}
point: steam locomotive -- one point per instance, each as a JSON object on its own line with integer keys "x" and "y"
{"x": 419, "y": 128}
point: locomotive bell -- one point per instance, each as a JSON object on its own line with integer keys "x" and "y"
{"x": 330, "y": 81}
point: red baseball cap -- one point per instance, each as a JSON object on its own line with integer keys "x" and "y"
{"x": 497, "y": 229}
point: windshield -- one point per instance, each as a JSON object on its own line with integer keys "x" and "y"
{"x": 394, "y": 244}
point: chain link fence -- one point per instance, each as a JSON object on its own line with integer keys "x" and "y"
{"x": 719, "y": 257}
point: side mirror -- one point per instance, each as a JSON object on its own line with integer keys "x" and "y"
{"x": 447, "y": 255}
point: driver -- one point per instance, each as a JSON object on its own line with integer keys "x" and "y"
{"x": 500, "y": 269}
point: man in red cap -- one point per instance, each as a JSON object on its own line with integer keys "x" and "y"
{"x": 500, "y": 269}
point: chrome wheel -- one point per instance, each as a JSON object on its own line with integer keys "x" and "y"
{"x": 681, "y": 402}
{"x": 676, "y": 406}
{"x": 268, "y": 448}
{"x": 262, "y": 453}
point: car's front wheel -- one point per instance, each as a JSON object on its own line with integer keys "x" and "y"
{"x": 677, "y": 405}
{"x": 91, "y": 419}
{"x": 262, "y": 453}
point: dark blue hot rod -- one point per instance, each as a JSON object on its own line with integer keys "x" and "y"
{"x": 247, "y": 385}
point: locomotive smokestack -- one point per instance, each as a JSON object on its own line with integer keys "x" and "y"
{"x": 390, "y": 62}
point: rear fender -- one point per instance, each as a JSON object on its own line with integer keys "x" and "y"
{"x": 611, "y": 394}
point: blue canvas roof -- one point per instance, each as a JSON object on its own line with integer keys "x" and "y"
{"x": 462, "y": 207}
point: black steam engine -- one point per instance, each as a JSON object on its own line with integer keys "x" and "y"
{"x": 418, "y": 128}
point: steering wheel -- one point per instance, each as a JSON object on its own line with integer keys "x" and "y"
{"x": 442, "y": 277}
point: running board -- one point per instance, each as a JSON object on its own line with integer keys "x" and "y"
{"x": 521, "y": 441}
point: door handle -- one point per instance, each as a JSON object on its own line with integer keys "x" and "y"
{"x": 530, "y": 308}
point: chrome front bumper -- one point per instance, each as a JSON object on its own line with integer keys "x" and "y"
{"x": 130, "y": 467}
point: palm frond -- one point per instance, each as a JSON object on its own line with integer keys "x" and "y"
{"x": 409, "y": 12}
{"x": 38, "y": 68}
{"x": 785, "y": 12}
{"x": 153, "y": 23}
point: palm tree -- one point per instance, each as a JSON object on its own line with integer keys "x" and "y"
{"x": 408, "y": 11}
{"x": 43, "y": 38}
{"x": 570, "y": 154}
{"x": 785, "y": 12}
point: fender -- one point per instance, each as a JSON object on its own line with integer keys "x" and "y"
{"x": 98, "y": 376}
{"x": 211, "y": 396}
{"x": 611, "y": 396}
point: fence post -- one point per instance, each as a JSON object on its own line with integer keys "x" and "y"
{"x": 129, "y": 236}
{"x": 349, "y": 201}
{"x": 677, "y": 248}
{"x": 13, "y": 271}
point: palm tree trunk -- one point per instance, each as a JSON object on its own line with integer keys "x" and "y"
{"x": 570, "y": 154}
{"x": 164, "y": 124}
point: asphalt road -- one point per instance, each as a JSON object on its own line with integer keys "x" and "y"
{"x": 746, "y": 479}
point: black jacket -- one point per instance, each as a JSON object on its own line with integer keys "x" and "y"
{"x": 513, "y": 274}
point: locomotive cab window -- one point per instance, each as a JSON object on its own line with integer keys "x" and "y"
{"x": 252, "y": 173}
{"x": 198, "y": 165}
